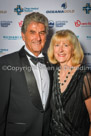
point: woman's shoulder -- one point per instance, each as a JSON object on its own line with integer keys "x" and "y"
{"x": 84, "y": 69}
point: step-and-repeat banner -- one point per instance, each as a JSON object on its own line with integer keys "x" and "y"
{"x": 62, "y": 14}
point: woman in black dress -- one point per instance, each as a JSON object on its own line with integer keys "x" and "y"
{"x": 71, "y": 93}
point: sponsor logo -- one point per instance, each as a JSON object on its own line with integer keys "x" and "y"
{"x": 57, "y": 23}
{"x": 88, "y": 37}
{"x": 19, "y": 9}
{"x": 87, "y": 8}
{"x": 61, "y": 23}
{"x": 78, "y": 36}
{"x": 3, "y": 11}
{"x": 51, "y": 24}
{"x": 12, "y": 37}
{"x": 20, "y": 23}
{"x": 87, "y": 54}
{"x": 64, "y": 6}
{"x": 78, "y": 23}
{"x": 60, "y": 11}
{"x": 5, "y": 23}
{"x": 3, "y": 51}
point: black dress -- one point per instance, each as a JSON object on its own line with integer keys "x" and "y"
{"x": 69, "y": 114}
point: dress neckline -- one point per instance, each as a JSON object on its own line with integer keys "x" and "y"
{"x": 70, "y": 82}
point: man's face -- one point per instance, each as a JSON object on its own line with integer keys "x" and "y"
{"x": 35, "y": 37}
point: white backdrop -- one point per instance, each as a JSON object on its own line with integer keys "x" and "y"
{"x": 62, "y": 14}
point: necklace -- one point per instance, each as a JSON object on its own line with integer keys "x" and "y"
{"x": 67, "y": 76}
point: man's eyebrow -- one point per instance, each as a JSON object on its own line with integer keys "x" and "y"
{"x": 43, "y": 31}
{"x": 32, "y": 31}
{"x": 39, "y": 32}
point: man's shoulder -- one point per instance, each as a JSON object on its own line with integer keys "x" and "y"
{"x": 9, "y": 58}
{"x": 10, "y": 55}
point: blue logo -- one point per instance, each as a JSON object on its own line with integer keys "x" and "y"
{"x": 77, "y": 36}
{"x": 51, "y": 24}
{"x": 64, "y": 5}
{"x": 5, "y": 23}
{"x": 87, "y": 8}
{"x": 12, "y": 37}
{"x": 18, "y": 10}
{"x": 61, "y": 23}
{"x": 3, "y": 51}
{"x": 88, "y": 37}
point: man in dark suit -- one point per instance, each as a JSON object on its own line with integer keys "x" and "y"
{"x": 25, "y": 83}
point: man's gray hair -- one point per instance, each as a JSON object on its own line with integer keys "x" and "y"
{"x": 36, "y": 17}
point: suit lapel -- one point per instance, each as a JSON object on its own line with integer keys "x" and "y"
{"x": 30, "y": 79}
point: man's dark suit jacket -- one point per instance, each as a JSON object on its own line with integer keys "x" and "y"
{"x": 21, "y": 111}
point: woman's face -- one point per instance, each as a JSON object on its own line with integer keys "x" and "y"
{"x": 63, "y": 51}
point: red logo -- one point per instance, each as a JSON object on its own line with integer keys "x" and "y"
{"x": 77, "y": 23}
{"x": 20, "y": 23}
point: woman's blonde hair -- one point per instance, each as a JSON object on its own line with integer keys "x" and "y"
{"x": 78, "y": 54}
